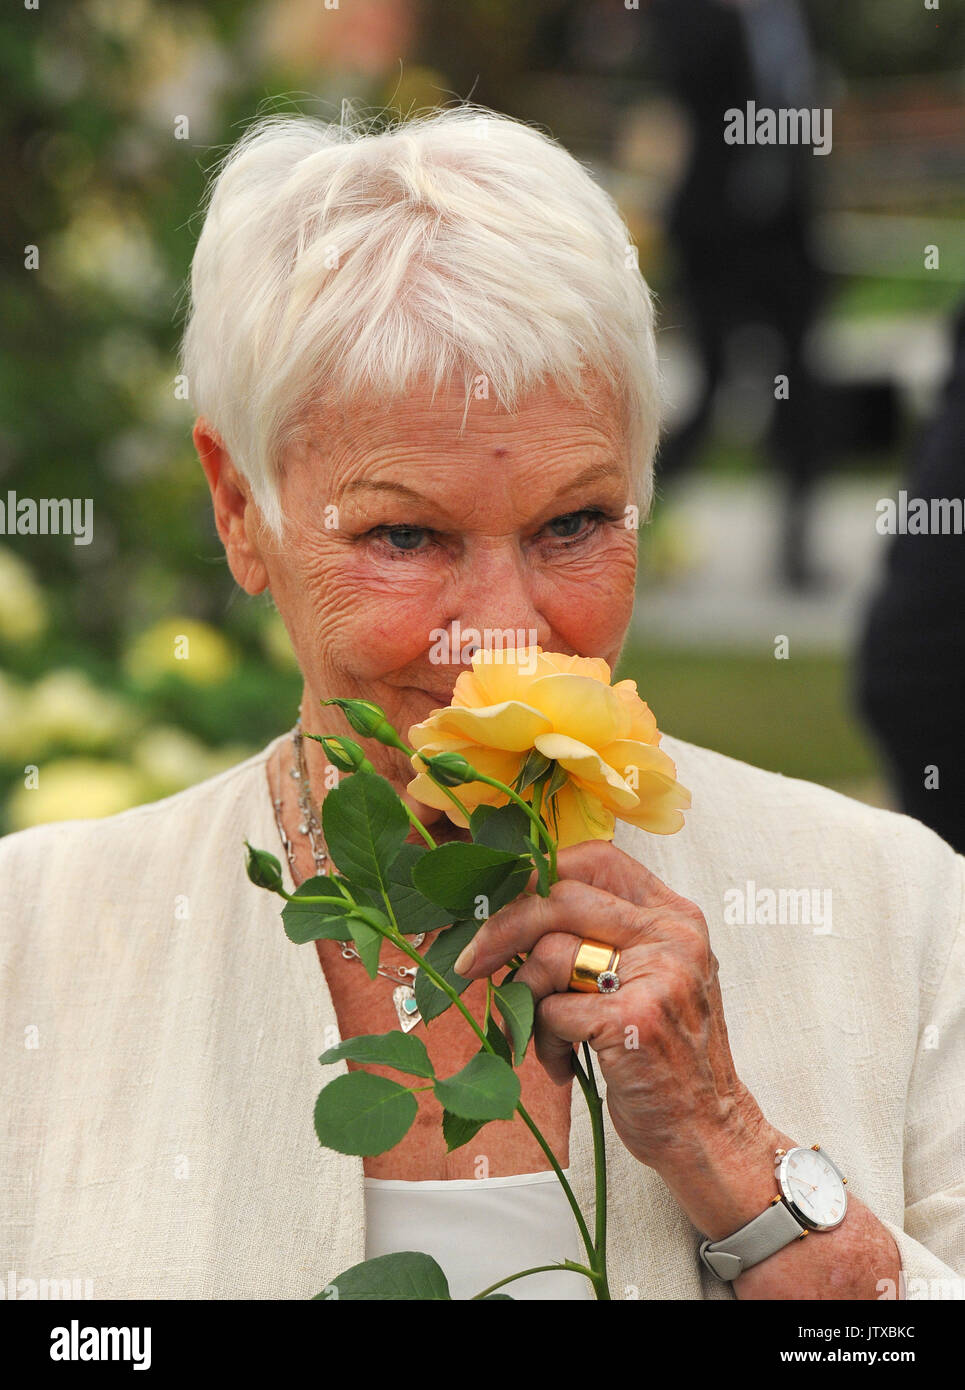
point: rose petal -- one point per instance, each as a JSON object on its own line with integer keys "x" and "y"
{"x": 580, "y": 817}
{"x": 661, "y": 802}
{"x": 496, "y": 676}
{"x": 625, "y": 753}
{"x": 588, "y": 768}
{"x": 555, "y": 663}
{"x": 580, "y": 707}
{"x": 511, "y": 726}
{"x": 492, "y": 761}
{"x": 428, "y": 732}
{"x": 643, "y": 726}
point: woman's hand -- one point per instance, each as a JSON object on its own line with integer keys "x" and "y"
{"x": 672, "y": 1089}
{"x": 673, "y": 1092}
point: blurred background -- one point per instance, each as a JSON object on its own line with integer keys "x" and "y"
{"x": 767, "y": 262}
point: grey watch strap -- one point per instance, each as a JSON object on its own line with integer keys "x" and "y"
{"x": 771, "y": 1231}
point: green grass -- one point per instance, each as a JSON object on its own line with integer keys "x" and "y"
{"x": 787, "y": 716}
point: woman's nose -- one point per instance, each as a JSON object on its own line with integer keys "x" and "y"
{"x": 495, "y": 604}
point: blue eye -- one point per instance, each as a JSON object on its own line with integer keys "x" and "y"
{"x": 572, "y": 523}
{"x": 407, "y": 536}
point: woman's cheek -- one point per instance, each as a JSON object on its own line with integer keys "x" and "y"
{"x": 375, "y": 630}
{"x": 596, "y": 591}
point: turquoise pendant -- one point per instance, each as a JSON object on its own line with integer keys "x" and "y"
{"x": 406, "y": 1008}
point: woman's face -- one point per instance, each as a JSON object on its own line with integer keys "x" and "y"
{"x": 401, "y": 532}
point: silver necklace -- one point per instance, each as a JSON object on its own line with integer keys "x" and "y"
{"x": 403, "y": 996}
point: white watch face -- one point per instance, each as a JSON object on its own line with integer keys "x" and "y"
{"x": 813, "y": 1187}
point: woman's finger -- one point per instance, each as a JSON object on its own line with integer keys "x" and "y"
{"x": 562, "y": 1023}
{"x": 572, "y": 907}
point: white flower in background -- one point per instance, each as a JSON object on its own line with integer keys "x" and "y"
{"x": 107, "y": 248}
{"x": 13, "y": 699}
{"x": 23, "y": 609}
{"x": 171, "y": 759}
{"x": 64, "y": 708}
{"x": 76, "y": 789}
{"x": 185, "y": 647}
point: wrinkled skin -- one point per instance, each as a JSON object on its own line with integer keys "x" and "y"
{"x": 496, "y": 530}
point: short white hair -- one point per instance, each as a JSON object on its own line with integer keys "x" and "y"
{"x": 338, "y": 262}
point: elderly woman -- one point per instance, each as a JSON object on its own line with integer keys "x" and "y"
{"x": 423, "y": 365}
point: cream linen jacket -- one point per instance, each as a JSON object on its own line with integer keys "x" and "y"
{"x": 160, "y": 1040}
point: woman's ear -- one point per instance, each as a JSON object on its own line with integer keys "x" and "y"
{"x": 236, "y": 514}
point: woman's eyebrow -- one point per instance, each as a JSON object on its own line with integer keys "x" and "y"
{"x": 594, "y": 473}
{"x": 385, "y": 485}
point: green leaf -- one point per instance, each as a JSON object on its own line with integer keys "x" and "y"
{"x": 456, "y": 874}
{"x": 490, "y": 1296}
{"x": 501, "y": 827}
{"x": 497, "y": 1039}
{"x": 456, "y": 1131}
{"x": 508, "y": 828}
{"x": 486, "y": 1088}
{"x": 404, "y": 1275}
{"x": 365, "y": 826}
{"x": 403, "y": 1051}
{"x": 512, "y": 886}
{"x": 534, "y": 766}
{"x": 558, "y": 778}
{"x": 414, "y": 912}
{"x": 305, "y": 921}
{"x": 368, "y": 940}
{"x": 542, "y": 863}
{"x": 515, "y": 1004}
{"x": 363, "y": 1114}
{"x": 441, "y": 954}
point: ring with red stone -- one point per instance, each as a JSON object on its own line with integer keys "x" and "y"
{"x": 595, "y": 969}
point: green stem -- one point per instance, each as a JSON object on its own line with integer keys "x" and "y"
{"x": 415, "y": 821}
{"x": 554, "y": 1164}
{"x": 499, "y": 786}
{"x": 399, "y": 940}
{"x": 537, "y": 804}
{"x": 341, "y": 900}
{"x": 489, "y": 1000}
{"x": 595, "y": 1103}
{"x": 524, "y": 1115}
{"x": 539, "y": 1269}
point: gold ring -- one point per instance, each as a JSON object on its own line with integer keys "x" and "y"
{"x": 595, "y": 969}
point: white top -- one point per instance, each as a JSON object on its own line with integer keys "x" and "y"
{"x": 480, "y": 1230}
{"x": 160, "y": 1036}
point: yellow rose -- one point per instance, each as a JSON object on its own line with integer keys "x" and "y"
{"x": 603, "y": 736}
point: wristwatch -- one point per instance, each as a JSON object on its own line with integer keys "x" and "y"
{"x": 812, "y": 1197}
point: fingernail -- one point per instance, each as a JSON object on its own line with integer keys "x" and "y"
{"x": 464, "y": 960}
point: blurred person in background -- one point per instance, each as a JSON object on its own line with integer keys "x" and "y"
{"x": 910, "y": 674}
{"x": 739, "y": 228}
